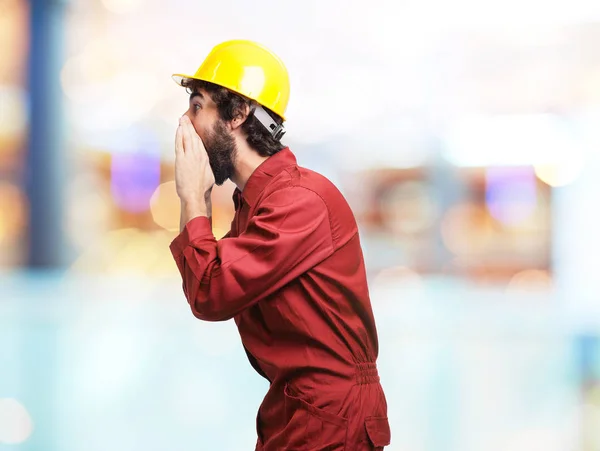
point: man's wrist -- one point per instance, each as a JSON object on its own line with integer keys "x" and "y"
{"x": 191, "y": 209}
{"x": 195, "y": 208}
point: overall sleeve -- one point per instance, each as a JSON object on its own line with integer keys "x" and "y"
{"x": 289, "y": 234}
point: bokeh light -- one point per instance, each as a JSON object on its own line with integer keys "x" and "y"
{"x": 511, "y": 195}
{"x": 166, "y": 207}
{"x": 15, "y": 422}
{"x": 13, "y": 113}
{"x": 466, "y": 229}
{"x": 530, "y": 280}
{"x": 558, "y": 175}
{"x": 13, "y": 40}
{"x": 12, "y": 211}
{"x": 134, "y": 178}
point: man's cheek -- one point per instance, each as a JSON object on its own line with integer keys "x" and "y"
{"x": 199, "y": 129}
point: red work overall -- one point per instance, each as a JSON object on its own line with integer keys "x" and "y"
{"x": 291, "y": 273}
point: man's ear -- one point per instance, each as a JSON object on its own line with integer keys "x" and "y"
{"x": 240, "y": 116}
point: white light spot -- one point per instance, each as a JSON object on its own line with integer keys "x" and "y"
{"x": 15, "y": 423}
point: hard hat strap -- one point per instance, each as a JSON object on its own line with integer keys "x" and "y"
{"x": 277, "y": 130}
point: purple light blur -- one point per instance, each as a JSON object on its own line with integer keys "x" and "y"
{"x": 134, "y": 178}
{"x": 511, "y": 194}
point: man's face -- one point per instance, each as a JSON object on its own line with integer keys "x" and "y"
{"x": 217, "y": 139}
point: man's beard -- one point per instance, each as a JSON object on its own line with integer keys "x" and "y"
{"x": 221, "y": 150}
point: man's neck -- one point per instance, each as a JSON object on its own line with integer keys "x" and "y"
{"x": 245, "y": 164}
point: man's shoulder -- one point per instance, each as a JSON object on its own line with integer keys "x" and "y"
{"x": 300, "y": 181}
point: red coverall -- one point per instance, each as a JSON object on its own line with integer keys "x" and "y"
{"x": 291, "y": 273}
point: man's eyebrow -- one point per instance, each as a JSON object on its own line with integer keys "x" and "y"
{"x": 196, "y": 94}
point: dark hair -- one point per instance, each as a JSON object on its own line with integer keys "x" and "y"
{"x": 230, "y": 105}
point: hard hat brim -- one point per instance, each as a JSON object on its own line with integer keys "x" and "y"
{"x": 178, "y": 78}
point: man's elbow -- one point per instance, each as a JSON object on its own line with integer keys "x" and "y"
{"x": 207, "y": 312}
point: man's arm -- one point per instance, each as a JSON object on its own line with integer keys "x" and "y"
{"x": 289, "y": 235}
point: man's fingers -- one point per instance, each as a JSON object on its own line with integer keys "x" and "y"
{"x": 179, "y": 141}
{"x": 187, "y": 132}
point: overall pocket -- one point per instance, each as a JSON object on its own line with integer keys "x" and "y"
{"x": 311, "y": 428}
{"x": 378, "y": 431}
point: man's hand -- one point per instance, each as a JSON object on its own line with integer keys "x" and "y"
{"x": 194, "y": 178}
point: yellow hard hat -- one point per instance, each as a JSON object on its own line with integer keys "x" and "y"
{"x": 249, "y": 69}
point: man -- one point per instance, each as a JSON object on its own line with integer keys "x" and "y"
{"x": 290, "y": 272}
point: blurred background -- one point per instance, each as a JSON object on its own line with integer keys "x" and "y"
{"x": 466, "y": 137}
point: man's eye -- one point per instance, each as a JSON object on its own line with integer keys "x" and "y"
{"x": 197, "y": 107}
